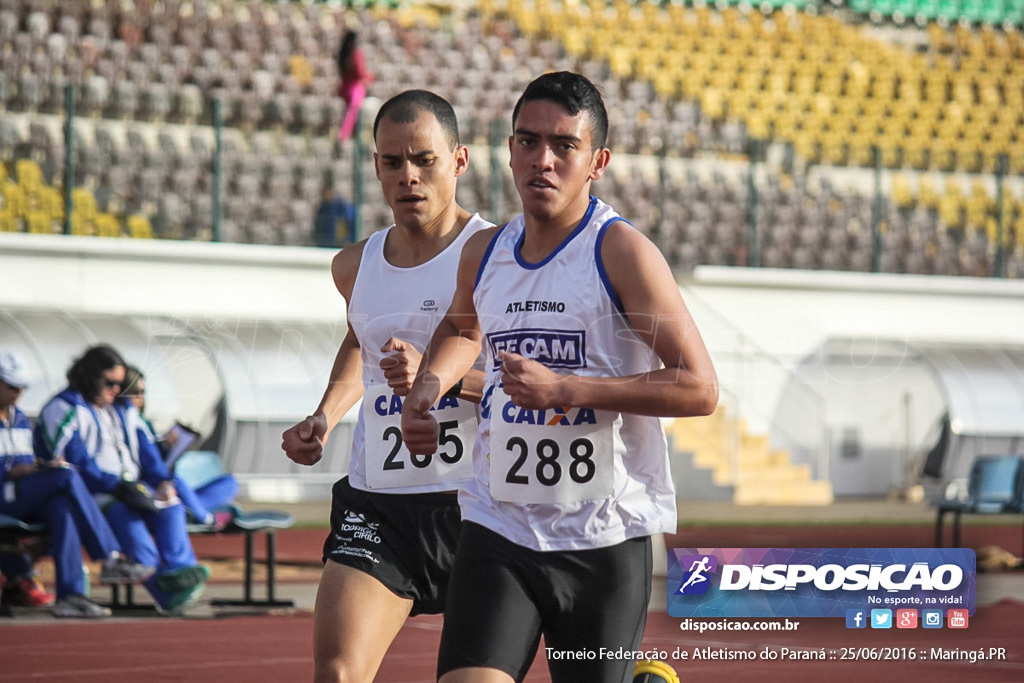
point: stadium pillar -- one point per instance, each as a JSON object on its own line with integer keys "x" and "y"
{"x": 999, "y": 267}
{"x": 876, "y": 213}
{"x": 753, "y": 250}
{"x": 69, "y": 157}
{"x": 494, "y": 144}
{"x": 358, "y": 181}
{"x": 218, "y": 176}
{"x": 659, "y": 226}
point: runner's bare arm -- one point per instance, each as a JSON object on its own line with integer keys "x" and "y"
{"x": 687, "y": 385}
{"x": 450, "y": 354}
{"x": 303, "y": 443}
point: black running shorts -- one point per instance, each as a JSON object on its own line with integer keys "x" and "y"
{"x": 405, "y": 541}
{"x": 504, "y": 596}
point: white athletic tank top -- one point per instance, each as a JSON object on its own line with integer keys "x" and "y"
{"x": 407, "y": 303}
{"x": 563, "y": 479}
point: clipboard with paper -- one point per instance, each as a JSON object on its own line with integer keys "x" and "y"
{"x": 176, "y": 441}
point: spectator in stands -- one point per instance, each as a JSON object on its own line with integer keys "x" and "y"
{"x": 54, "y": 493}
{"x": 355, "y": 79}
{"x": 110, "y": 446}
{"x": 333, "y": 217}
{"x": 210, "y": 503}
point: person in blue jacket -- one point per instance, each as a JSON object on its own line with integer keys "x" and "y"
{"x": 107, "y": 442}
{"x": 54, "y": 493}
{"x": 208, "y": 504}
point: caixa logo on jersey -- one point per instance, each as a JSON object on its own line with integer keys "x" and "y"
{"x": 816, "y": 582}
{"x": 553, "y": 348}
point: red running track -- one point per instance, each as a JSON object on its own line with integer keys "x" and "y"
{"x": 276, "y": 648}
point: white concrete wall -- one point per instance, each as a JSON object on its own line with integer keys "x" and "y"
{"x": 182, "y": 279}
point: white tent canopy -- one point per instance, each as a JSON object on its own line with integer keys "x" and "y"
{"x": 983, "y": 387}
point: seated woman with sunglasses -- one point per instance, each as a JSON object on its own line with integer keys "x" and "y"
{"x": 106, "y": 441}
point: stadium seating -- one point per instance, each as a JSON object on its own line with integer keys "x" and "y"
{"x": 689, "y": 81}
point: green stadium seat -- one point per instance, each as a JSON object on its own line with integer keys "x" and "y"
{"x": 882, "y": 9}
{"x": 904, "y": 10}
{"x": 926, "y": 10}
{"x": 948, "y": 11}
{"x": 971, "y": 10}
{"x": 1013, "y": 12}
{"x": 993, "y": 12}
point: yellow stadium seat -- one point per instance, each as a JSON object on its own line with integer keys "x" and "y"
{"x": 927, "y": 193}
{"x": 52, "y": 202}
{"x": 950, "y": 212}
{"x": 84, "y": 203}
{"x": 139, "y": 227}
{"x": 30, "y": 176}
{"x": 107, "y": 225}
{"x": 38, "y": 223}
{"x": 902, "y": 195}
{"x": 12, "y": 199}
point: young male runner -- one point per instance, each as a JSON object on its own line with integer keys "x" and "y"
{"x": 587, "y": 342}
{"x": 394, "y": 518}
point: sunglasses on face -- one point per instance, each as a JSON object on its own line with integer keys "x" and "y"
{"x": 110, "y": 383}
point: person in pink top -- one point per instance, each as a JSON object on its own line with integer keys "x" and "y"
{"x": 355, "y": 79}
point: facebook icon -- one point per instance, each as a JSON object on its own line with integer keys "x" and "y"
{"x": 856, "y": 618}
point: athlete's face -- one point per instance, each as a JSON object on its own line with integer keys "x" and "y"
{"x": 417, "y": 169}
{"x": 553, "y": 161}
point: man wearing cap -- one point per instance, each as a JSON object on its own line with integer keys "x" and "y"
{"x": 54, "y": 493}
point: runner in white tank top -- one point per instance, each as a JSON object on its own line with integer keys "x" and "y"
{"x": 395, "y": 519}
{"x": 576, "y": 478}
{"x": 588, "y": 342}
{"x": 405, "y": 303}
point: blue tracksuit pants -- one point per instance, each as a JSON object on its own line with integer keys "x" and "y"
{"x": 157, "y": 539}
{"x": 60, "y": 498}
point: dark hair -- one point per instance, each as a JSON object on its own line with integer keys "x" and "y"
{"x": 85, "y": 373}
{"x": 574, "y": 92}
{"x": 348, "y": 46}
{"x": 133, "y": 377}
{"x": 406, "y": 106}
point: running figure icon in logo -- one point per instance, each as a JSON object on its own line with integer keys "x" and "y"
{"x": 696, "y": 581}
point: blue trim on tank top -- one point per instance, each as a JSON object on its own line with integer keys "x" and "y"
{"x": 577, "y": 230}
{"x": 487, "y": 256}
{"x": 601, "y": 272}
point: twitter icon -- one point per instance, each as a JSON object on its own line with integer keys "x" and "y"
{"x": 881, "y": 618}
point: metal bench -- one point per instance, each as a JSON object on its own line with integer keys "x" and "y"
{"x": 266, "y": 522}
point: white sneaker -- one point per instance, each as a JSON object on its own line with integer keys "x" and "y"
{"x": 120, "y": 570}
{"x": 79, "y": 607}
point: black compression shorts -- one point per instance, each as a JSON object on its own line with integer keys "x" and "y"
{"x": 405, "y": 541}
{"x": 504, "y": 596}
